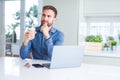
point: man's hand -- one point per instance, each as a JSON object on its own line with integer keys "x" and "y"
{"x": 45, "y": 29}
{"x": 29, "y": 35}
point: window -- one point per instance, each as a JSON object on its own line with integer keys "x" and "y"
{"x": 13, "y": 24}
{"x": 10, "y": 18}
{"x": 31, "y": 13}
{"x": 107, "y": 27}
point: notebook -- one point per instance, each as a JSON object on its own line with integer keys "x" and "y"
{"x": 66, "y": 57}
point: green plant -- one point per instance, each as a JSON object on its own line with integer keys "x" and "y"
{"x": 93, "y": 38}
{"x": 110, "y": 38}
{"x": 31, "y": 16}
{"x": 89, "y": 38}
{"x": 113, "y": 43}
{"x": 9, "y": 35}
{"x": 106, "y": 45}
{"x": 12, "y": 35}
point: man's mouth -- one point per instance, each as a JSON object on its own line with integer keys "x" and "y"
{"x": 44, "y": 22}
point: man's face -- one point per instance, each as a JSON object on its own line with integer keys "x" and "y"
{"x": 48, "y": 17}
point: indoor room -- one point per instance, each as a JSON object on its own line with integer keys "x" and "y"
{"x": 91, "y": 31}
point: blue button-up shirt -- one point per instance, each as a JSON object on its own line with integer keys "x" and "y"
{"x": 40, "y": 47}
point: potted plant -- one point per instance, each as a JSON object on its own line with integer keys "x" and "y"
{"x": 113, "y": 44}
{"x": 106, "y": 46}
{"x": 93, "y": 43}
{"x": 14, "y": 36}
{"x": 93, "y": 38}
{"x": 8, "y": 37}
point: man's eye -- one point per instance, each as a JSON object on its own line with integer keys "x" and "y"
{"x": 43, "y": 15}
{"x": 49, "y": 16}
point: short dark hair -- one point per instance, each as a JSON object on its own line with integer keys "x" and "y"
{"x": 51, "y": 8}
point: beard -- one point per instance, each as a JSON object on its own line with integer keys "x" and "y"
{"x": 48, "y": 24}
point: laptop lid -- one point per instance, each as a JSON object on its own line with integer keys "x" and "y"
{"x": 66, "y": 56}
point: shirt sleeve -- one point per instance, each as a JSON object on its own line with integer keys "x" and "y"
{"x": 60, "y": 39}
{"x": 51, "y": 43}
{"x": 25, "y": 51}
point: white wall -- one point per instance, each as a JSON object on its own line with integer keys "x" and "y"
{"x": 67, "y": 19}
{"x": 102, "y": 7}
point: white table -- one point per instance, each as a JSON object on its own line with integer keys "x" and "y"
{"x": 14, "y": 69}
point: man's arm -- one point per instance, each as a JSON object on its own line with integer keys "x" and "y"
{"x": 26, "y": 46}
{"x": 60, "y": 39}
{"x": 51, "y": 43}
{"x": 25, "y": 51}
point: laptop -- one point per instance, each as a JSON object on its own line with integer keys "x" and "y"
{"x": 65, "y": 57}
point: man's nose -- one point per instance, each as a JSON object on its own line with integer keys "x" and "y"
{"x": 45, "y": 18}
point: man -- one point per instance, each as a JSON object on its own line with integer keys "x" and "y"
{"x": 41, "y": 41}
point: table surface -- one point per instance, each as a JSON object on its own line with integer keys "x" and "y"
{"x": 13, "y": 69}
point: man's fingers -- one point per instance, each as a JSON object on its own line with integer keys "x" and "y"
{"x": 29, "y": 35}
